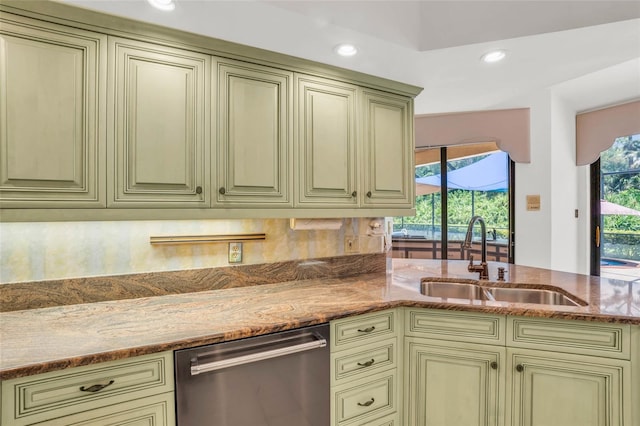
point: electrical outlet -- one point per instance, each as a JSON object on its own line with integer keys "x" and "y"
{"x": 351, "y": 244}
{"x": 235, "y": 252}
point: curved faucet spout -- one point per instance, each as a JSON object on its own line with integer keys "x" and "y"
{"x": 482, "y": 268}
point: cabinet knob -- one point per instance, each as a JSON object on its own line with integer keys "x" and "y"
{"x": 222, "y": 191}
{"x": 354, "y": 194}
{"x": 519, "y": 368}
{"x": 369, "y": 194}
{"x": 494, "y": 365}
{"x": 198, "y": 190}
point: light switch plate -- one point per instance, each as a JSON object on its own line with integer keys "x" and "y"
{"x": 235, "y": 252}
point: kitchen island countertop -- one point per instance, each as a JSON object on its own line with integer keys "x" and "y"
{"x": 47, "y": 339}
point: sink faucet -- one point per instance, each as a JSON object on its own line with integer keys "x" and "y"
{"x": 482, "y": 268}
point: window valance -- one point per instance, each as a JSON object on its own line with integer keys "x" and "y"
{"x": 597, "y": 130}
{"x": 508, "y": 128}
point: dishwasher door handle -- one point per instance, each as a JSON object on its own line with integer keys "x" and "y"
{"x": 246, "y": 359}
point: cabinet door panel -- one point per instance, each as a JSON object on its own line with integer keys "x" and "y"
{"x": 569, "y": 390}
{"x": 453, "y": 384}
{"x": 51, "y": 88}
{"x": 158, "y": 151}
{"x": 388, "y": 147}
{"x": 327, "y": 143}
{"x": 254, "y": 135}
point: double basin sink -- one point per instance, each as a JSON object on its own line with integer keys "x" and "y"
{"x": 461, "y": 290}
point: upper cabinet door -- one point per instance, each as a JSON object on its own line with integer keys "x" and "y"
{"x": 52, "y": 87}
{"x": 254, "y": 131}
{"x": 157, "y": 126}
{"x": 388, "y": 144}
{"x": 326, "y": 143}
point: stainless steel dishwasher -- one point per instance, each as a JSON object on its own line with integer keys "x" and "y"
{"x": 279, "y": 379}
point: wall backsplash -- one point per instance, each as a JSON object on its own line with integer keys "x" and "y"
{"x": 55, "y": 250}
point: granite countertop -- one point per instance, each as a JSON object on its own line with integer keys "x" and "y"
{"x": 53, "y": 338}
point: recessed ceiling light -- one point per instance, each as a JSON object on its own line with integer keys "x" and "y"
{"x": 167, "y": 5}
{"x": 346, "y": 49}
{"x": 495, "y": 56}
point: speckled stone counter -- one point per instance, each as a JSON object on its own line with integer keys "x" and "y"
{"x": 46, "y": 339}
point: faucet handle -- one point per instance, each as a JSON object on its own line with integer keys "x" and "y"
{"x": 500, "y": 274}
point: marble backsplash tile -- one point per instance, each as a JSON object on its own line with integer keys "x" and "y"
{"x": 61, "y": 250}
{"x": 42, "y": 294}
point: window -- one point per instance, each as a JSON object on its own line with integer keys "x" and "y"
{"x": 616, "y": 197}
{"x": 478, "y": 180}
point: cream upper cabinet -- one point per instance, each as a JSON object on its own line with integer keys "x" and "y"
{"x": 106, "y": 118}
{"x": 388, "y": 145}
{"x": 52, "y": 91}
{"x": 254, "y": 135}
{"x": 157, "y": 126}
{"x": 327, "y": 142}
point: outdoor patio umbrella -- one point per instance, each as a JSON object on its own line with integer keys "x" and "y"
{"x": 609, "y": 208}
{"x": 488, "y": 174}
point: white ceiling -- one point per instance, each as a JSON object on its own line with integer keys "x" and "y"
{"x": 588, "y": 50}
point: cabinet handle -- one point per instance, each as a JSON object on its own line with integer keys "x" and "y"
{"x": 366, "y": 364}
{"x": 198, "y": 190}
{"x": 367, "y": 330}
{"x": 494, "y": 365}
{"x": 369, "y": 194}
{"x": 354, "y": 194}
{"x": 95, "y": 388}
{"x": 222, "y": 191}
{"x": 519, "y": 368}
{"x": 368, "y": 403}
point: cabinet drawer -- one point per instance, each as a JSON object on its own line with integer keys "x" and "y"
{"x": 586, "y": 338}
{"x": 366, "y": 399}
{"x": 61, "y": 393}
{"x": 392, "y": 420}
{"x": 366, "y": 359}
{"x": 456, "y": 326}
{"x": 362, "y": 329}
{"x": 156, "y": 410}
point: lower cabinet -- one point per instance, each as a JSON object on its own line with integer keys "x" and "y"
{"x": 158, "y": 410}
{"x": 453, "y": 383}
{"x": 402, "y": 366}
{"x": 569, "y": 390}
{"x": 528, "y": 372}
{"x": 133, "y": 391}
{"x": 365, "y": 370}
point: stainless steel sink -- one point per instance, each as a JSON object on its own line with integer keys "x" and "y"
{"x": 530, "y": 295}
{"x": 457, "y": 290}
{"x": 451, "y": 290}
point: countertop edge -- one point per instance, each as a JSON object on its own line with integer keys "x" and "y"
{"x": 245, "y": 332}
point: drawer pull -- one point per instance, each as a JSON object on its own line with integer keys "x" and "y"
{"x": 366, "y": 404}
{"x": 367, "y": 330}
{"x": 367, "y": 364}
{"x": 519, "y": 368}
{"x": 95, "y": 388}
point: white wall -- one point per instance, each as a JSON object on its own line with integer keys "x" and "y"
{"x": 553, "y": 237}
{"x": 533, "y": 228}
